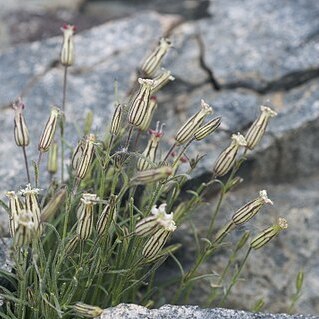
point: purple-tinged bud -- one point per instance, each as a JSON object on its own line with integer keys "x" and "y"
{"x": 149, "y": 154}
{"x": 67, "y": 50}
{"x": 21, "y": 132}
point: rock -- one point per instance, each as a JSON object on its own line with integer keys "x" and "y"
{"x": 130, "y": 311}
{"x": 261, "y": 45}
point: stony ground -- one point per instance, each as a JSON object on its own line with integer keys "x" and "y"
{"x": 235, "y": 54}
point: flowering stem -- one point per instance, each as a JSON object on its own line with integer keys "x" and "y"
{"x": 63, "y": 121}
{"x": 235, "y": 277}
{"x": 169, "y": 152}
{"x": 26, "y": 163}
{"x": 216, "y": 211}
{"x": 127, "y": 144}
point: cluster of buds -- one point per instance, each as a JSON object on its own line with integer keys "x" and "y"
{"x": 187, "y": 131}
{"x": 83, "y": 155}
{"x": 25, "y": 215}
{"x": 244, "y": 214}
{"x": 67, "y": 50}
{"x": 49, "y": 131}
{"x": 149, "y": 154}
{"x": 153, "y": 61}
{"x": 158, "y": 226}
{"x": 226, "y": 159}
{"x": 21, "y": 132}
{"x": 85, "y": 216}
{"x": 258, "y": 128}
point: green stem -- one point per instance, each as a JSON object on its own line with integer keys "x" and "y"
{"x": 234, "y": 279}
{"x": 216, "y": 211}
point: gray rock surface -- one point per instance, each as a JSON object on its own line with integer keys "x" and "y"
{"x": 128, "y": 311}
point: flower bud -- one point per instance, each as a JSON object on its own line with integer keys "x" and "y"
{"x": 85, "y": 216}
{"x": 155, "y": 243}
{"x": 139, "y": 107}
{"x": 186, "y": 132}
{"x": 15, "y": 208}
{"x": 67, "y": 50}
{"x": 25, "y": 229}
{"x": 151, "y": 149}
{"x": 106, "y": 216}
{"x": 249, "y": 210}
{"x": 54, "y": 204}
{"x": 49, "y": 131}
{"x": 31, "y": 204}
{"x": 242, "y": 241}
{"x": 153, "y": 62}
{"x": 71, "y": 245}
{"x": 116, "y": 120}
{"x": 299, "y": 280}
{"x": 87, "y": 311}
{"x": 152, "y": 105}
{"x": 227, "y": 158}
{"x": 207, "y": 129}
{"x": 258, "y": 128}
{"x": 77, "y": 153}
{"x": 268, "y": 234}
{"x": 161, "y": 80}
{"x": 85, "y": 156}
{"x": 159, "y": 219}
{"x": 152, "y": 175}
{"x": 21, "y": 132}
{"x": 52, "y": 166}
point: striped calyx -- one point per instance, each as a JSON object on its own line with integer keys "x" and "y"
{"x": 87, "y": 311}
{"x": 21, "y": 132}
{"x": 15, "y": 208}
{"x": 49, "y": 131}
{"x": 152, "y": 106}
{"x": 85, "y": 215}
{"x": 154, "y": 60}
{"x": 83, "y": 156}
{"x": 158, "y": 225}
{"x": 31, "y": 204}
{"x": 67, "y": 50}
{"x": 116, "y": 120}
{"x": 186, "y": 132}
{"x": 161, "y": 80}
{"x": 207, "y": 129}
{"x": 25, "y": 229}
{"x": 149, "y": 154}
{"x": 152, "y": 175}
{"x": 249, "y": 210}
{"x": 227, "y": 158}
{"x": 269, "y": 233}
{"x": 258, "y": 128}
{"x": 106, "y": 216}
{"x": 139, "y": 107}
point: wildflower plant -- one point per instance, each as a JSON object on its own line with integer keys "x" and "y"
{"x": 98, "y": 237}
